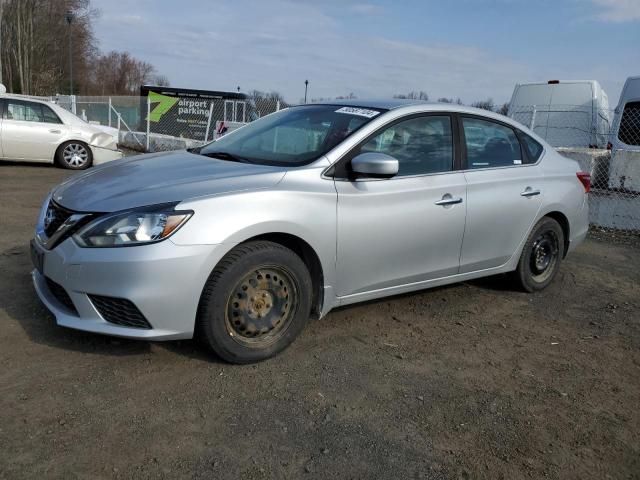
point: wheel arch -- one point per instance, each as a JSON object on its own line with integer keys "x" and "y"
{"x": 310, "y": 258}
{"x": 562, "y": 219}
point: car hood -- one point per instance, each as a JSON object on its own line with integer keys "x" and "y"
{"x": 160, "y": 178}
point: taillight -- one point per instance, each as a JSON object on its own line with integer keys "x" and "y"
{"x": 585, "y": 180}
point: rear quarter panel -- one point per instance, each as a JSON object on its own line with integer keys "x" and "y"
{"x": 565, "y": 194}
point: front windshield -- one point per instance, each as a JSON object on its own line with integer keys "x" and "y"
{"x": 291, "y": 137}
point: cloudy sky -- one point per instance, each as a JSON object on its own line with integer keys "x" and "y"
{"x": 471, "y": 49}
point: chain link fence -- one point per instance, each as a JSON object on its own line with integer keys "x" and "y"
{"x": 606, "y": 143}
{"x": 170, "y": 123}
{"x": 157, "y": 123}
{"x": 567, "y": 126}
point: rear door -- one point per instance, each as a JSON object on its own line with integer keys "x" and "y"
{"x": 504, "y": 193}
{"x": 31, "y": 131}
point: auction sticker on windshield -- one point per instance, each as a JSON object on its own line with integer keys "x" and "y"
{"x": 362, "y": 112}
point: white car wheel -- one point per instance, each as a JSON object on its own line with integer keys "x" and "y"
{"x": 75, "y": 156}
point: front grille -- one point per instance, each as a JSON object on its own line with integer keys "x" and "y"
{"x": 61, "y": 295}
{"x": 119, "y": 311}
{"x": 55, "y": 216}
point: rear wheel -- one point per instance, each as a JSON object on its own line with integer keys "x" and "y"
{"x": 541, "y": 256}
{"x": 255, "y": 302}
{"x": 74, "y": 155}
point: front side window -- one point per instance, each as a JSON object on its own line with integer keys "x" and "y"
{"x": 422, "y": 145}
{"x": 490, "y": 144}
{"x": 291, "y": 137}
{"x": 629, "y": 130}
{"x": 24, "y": 111}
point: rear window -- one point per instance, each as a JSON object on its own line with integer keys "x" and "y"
{"x": 629, "y": 130}
{"x": 49, "y": 115}
{"x": 534, "y": 149}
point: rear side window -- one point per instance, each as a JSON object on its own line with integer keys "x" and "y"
{"x": 629, "y": 130}
{"x": 49, "y": 115}
{"x": 534, "y": 149}
{"x": 490, "y": 144}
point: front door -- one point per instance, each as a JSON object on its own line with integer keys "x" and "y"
{"x": 408, "y": 228}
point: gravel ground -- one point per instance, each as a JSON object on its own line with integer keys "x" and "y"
{"x": 475, "y": 380}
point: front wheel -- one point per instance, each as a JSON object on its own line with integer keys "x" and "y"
{"x": 74, "y": 155}
{"x": 541, "y": 256}
{"x": 255, "y": 302}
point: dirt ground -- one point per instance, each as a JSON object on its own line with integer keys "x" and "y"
{"x": 476, "y": 380}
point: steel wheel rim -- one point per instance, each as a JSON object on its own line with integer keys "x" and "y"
{"x": 261, "y": 306}
{"x": 75, "y": 155}
{"x": 544, "y": 255}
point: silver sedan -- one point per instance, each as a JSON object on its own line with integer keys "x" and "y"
{"x": 244, "y": 240}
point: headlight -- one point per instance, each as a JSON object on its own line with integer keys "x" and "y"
{"x": 134, "y": 227}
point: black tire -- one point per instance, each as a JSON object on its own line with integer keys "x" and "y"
{"x": 541, "y": 256}
{"x": 255, "y": 303}
{"x": 74, "y": 155}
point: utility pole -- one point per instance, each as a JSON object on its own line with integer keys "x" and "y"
{"x": 306, "y": 85}
{"x": 69, "y": 18}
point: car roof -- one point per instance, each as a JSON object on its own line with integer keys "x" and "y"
{"x": 27, "y": 98}
{"x": 408, "y": 104}
{"x": 386, "y": 104}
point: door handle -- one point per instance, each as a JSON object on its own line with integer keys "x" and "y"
{"x": 53, "y": 130}
{"x": 448, "y": 200}
{"x": 528, "y": 192}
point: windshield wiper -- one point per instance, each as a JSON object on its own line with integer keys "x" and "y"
{"x": 225, "y": 156}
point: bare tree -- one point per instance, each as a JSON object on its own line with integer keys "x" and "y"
{"x": 118, "y": 73}
{"x": 2, "y": 4}
{"x": 34, "y": 52}
{"x": 457, "y": 101}
{"x": 266, "y": 102}
{"x": 351, "y": 96}
{"x": 484, "y": 104}
{"x": 161, "y": 81}
{"x": 421, "y": 95}
{"x": 33, "y": 48}
{"x": 504, "y": 109}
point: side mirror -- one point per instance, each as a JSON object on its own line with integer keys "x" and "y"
{"x": 374, "y": 165}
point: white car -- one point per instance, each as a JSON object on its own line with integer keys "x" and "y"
{"x": 40, "y": 131}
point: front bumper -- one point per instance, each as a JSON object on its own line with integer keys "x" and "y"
{"x": 104, "y": 155}
{"x": 164, "y": 281}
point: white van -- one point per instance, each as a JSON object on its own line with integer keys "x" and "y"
{"x": 625, "y": 139}
{"x": 566, "y": 113}
{"x": 625, "y": 130}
